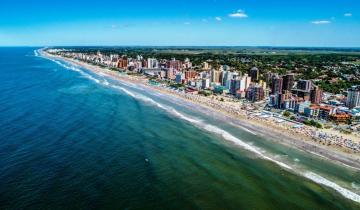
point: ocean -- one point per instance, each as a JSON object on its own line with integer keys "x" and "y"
{"x": 70, "y": 139}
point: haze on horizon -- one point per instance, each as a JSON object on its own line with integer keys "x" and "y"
{"x": 318, "y": 23}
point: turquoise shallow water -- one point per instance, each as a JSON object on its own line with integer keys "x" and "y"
{"x": 72, "y": 139}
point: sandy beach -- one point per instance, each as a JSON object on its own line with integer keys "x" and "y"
{"x": 319, "y": 142}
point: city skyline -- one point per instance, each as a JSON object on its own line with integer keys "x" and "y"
{"x": 185, "y": 23}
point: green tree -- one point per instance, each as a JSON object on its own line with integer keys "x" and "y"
{"x": 286, "y": 114}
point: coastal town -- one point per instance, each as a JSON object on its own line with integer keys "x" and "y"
{"x": 181, "y": 105}
{"x": 287, "y": 99}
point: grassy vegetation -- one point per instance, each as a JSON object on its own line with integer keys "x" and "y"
{"x": 313, "y": 123}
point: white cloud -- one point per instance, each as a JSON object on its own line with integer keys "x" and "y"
{"x": 239, "y": 14}
{"x": 321, "y": 22}
{"x": 347, "y": 14}
{"x": 187, "y": 23}
{"x": 218, "y": 18}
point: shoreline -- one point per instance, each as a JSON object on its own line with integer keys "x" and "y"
{"x": 263, "y": 128}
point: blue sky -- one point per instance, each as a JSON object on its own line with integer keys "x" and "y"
{"x": 326, "y": 23}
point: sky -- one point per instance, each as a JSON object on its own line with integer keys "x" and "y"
{"x": 317, "y": 23}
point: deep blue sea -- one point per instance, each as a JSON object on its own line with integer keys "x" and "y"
{"x": 70, "y": 139}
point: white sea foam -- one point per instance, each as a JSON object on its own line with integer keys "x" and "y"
{"x": 247, "y": 130}
{"x": 102, "y": 74}
{"x": 321, "y": 180}
{"x": 36, "y": 53}
{"x": 243, "y": 128}
{"x": 73, "y": 68}
{"x": 124, "y": 90}
{"x": 105, "y": 82}
{"x": 140, "y": 97}
{"x": 86, "y": 75}
{"x": 132, "y": 86}
{"x": 189, "y": 119}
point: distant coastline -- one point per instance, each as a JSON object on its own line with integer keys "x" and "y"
{"x": 234, "y": 49}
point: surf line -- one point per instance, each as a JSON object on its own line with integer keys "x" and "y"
{"x": 227, "y": 136}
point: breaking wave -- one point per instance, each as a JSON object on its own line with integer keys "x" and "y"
{"x": 84, "y": 74}
{"x": 36, "y": 53}
{"x": 321, "y": 180}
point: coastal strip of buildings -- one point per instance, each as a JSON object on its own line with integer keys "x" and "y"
{"x": 268, "y": 90}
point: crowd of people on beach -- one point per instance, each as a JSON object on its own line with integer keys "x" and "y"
{"x": 233, "y": 109}
{"x": 330, "y": 139}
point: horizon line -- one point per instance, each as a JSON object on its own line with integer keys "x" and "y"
{"x": 182, "y": 46}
